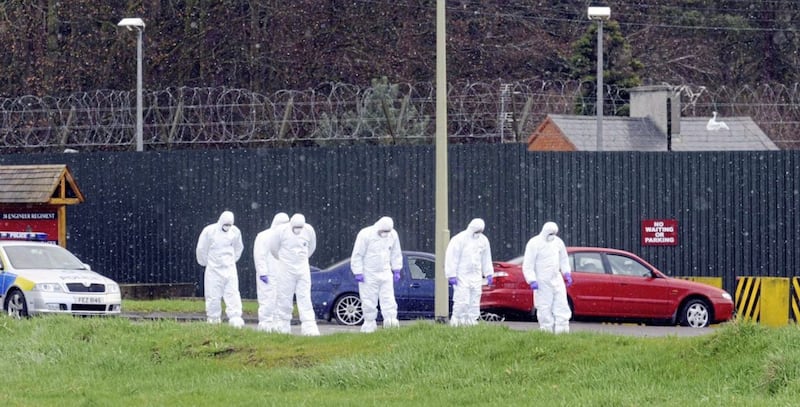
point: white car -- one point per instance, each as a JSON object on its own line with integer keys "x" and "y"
{"x": 44, "y": 278}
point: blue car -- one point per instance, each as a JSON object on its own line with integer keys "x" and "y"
{"x": 334, "y": 291}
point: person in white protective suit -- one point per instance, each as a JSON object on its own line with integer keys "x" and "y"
{"x": 292, "y": 244}
{"x": 376, "y": 263}
{"x": 545, "y": 267}
{"x": 467, "y": 260}
{"x": 266, "y": 265}
{"x": 219, "y": 247}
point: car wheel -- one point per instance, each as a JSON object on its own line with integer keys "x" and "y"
{"x": 491, "y": 317}
{"x": 347, "y": 310}
{"x": 695, "y": 314}
{"x": 16, "y": 307}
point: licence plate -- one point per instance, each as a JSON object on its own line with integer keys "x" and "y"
{"x": 88, "y": 300}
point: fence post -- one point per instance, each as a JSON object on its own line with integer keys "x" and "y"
{"x": 763, "y": 299}
{"x": 794, "y": 303}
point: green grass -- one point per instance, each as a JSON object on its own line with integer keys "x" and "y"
{"x": 64, "y": 361}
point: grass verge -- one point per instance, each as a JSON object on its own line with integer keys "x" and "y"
{"x": 65, "y": 361}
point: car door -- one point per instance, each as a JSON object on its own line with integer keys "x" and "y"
{"x": 592, "y": 291}
{"x": 414, "y": 292}
{"x": 638, "y": 293}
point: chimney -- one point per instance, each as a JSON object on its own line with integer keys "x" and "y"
{"x": 651, "y": 101}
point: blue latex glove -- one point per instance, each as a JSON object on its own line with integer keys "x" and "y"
{"x": 489, "y": 279}
{"x": 264, "y": 279}
{"x": 360, "y": 278}
{"x": 453, "y": 281}
{"x": 396, "y": 275}
{"x": 534, "y": 285}
{"x": 568, "y": 277}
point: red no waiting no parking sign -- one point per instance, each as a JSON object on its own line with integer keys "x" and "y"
{"x": 659, "y": 232}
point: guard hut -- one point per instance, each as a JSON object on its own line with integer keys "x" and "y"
{"x": 34, "y": 198}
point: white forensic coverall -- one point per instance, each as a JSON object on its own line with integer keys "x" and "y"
{"x": 546, "y": 263}
{"x": 468, "y": 258}
{"x": 377, "y": 256}
{"x": 266, "y": 265}
{"x": 292, "y": 244}
{"x": 218, "y": 249}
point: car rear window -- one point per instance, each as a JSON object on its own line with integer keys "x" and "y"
{"x": 42, "y": 257}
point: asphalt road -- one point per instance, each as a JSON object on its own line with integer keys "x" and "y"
{"x": 608, "y": 328}
{"x": 326, "y": 328}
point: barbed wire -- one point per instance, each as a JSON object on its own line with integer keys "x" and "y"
{"x": 339, "y": 113}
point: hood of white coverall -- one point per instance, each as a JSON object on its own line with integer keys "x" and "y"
{"x": 297, "y": 220}
{"x": 476, "y": 225}
{"x": 226, "y": 217}
{"x": 279, "y": 219}
{"x": 385, "y": 223}
{"x": 549, "y": 228}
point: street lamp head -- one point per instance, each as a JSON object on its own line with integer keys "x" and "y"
{"x": 599, "y": 13}
{"x": 130, "y": 23}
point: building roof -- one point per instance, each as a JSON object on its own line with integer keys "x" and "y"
{"x": 39, "y": 184}
{"x": 744, "y": 134}
{"x": 641, "y": 134}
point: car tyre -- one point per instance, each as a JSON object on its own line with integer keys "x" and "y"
{"x": 696, "y": 314}
{"x": 491, "y": 317}
{"x": 16, "y": 306}
{"x": 348, "y": 310}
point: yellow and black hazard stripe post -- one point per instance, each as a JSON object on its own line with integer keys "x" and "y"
{"x": 763, "y": 299}
{"x": 794, "y": 301}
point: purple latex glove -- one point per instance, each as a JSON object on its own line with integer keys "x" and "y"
{"x": 489, "y": 279}
{"x": 453, "y": 281}
{"x": 264, "y": 279}
{"x": 359, "y": 278}
{"x": 568, "y": 277}
{"x": 396, "y": 275}
{"x": 534, "y": 285}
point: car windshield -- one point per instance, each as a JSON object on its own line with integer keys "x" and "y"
{"x": 42, "y": 257}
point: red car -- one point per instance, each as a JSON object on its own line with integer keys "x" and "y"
{"x": 614, "y": 284}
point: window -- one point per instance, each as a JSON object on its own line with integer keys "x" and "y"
{"x": 421, "y": 269}
{"x": 587, "y": 263}
{"x": 42, "y": 257}
{"x": 626, "y": 266}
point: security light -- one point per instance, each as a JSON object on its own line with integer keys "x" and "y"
{"x": 131, "y": 22}
{"x": 599, "y": 13}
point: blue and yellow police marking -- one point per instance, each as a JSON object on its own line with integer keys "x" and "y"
{"x": 6, "y": 280}
{"x": 794, "y": 301}
{"x": 9, "y": 280}
{"x": 24, "y": 283}
{"x": 712, "y": 281}
{"x": 763, "y": 299}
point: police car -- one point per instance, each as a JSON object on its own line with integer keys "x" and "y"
{"x": 37, "y": 277}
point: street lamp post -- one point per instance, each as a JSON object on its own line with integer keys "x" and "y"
{"x": 138, "y": 24}
{"x": 442, "y": 235}
{"x": 600, "y": 14}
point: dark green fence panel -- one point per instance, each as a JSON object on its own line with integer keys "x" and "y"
{"x": 737, "y": 212}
